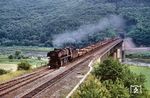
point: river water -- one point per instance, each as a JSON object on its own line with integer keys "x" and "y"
{"x": 137, "y": 63}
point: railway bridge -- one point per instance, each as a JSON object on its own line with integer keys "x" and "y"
{"x": 113, "y": 50}
{"x": 57, "y": 83}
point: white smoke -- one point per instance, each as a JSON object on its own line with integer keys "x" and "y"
{"x": 112, "y": 21}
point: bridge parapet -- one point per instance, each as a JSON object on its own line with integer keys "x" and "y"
{"x": 113, "y": 50}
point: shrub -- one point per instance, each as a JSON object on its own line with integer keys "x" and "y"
{"x": 39, "y": 58}
{"x": 117, "y": 89}
{"x": 109, "y": 69}
{"x": 24, "y": 65}
{"x": 17, "y": 55}
{"x": 119, "y": 78}
{"x": 111, "y": 79}
{"x": 91, "y": 88}
{"x": 2, "y": 71}
{"x": 10, "y": 57}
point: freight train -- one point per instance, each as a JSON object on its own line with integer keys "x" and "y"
{"x": 60, "y": 57}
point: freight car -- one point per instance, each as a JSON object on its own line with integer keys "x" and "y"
{"x": 59, "y": 57}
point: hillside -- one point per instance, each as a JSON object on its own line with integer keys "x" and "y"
{"x": 36, "y": 22}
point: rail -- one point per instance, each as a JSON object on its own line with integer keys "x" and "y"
{"x": 91, "y": 68}
{"x": 75, "y": 88}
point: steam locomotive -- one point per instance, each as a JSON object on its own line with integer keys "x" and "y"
{"x": 60, "y": 57}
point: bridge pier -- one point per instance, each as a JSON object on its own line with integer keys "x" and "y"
{"x": 119, "y": 54}
{"x": 115, "y": 55}
{"x": 115, "y": 52}
{"x": 98, "y": 60}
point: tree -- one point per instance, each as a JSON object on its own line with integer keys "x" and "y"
{"x": 119, "y": 77}
{"x": 116, "y": 89}
{"x": 10, "y": 57}
{"x": 39, "y": 58}
{"x": 24, "y": 65}
{"x": 18, "y": 54}
{"x": 92, "y": 88}
{"x": 109, "y": 69}
{"x": 2, "y": 71}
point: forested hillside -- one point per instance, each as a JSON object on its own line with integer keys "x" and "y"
{"x": 36, "y": 22}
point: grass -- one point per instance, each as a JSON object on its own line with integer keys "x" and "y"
{"x": 12, "y": 67}
{"x": 8, "y": 67}
{"x": 12, "y": 75}
{"x": 8, "y": 64}
{"x": 144, "y": 56}
{"x": 26, "y": 48}
{"x": 11, "y": 64}
{"x": 145, "y": 71}
{"x": 4, "y": 60}
{"x": 142, "y": 60}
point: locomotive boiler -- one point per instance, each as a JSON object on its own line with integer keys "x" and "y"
{"x": 59, "y": 57}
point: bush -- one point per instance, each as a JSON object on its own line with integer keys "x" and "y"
{"x": 10, "y": 57}
{"x": 24, "y": 65}
{"x": 2, "y": 71}
{"x": 111, "y": 79}
{"x": 109, "y": 69}
{"x": 39, "y": 58}
{"x": 118, "y": 78}
{"x": 91, "y": 88}
{"x": 116, "y": 89}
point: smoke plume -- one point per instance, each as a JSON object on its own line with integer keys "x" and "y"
{"x": 112, "y": 21}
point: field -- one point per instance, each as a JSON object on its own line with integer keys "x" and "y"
{"x": 12, "y": 75}
{"x": 145, "y": 71}
{"x": 11, "y": 65}
{"x": 36, "y": 56}
{"x": 26, "y": 50}
{"x": 31, "y": 52}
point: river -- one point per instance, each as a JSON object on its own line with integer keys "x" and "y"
{"x": 137, "y": 63}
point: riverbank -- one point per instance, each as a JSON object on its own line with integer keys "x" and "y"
{"x": 137, "y": 63}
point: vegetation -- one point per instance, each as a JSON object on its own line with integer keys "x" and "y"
{"x": 145, "y": 71}
{"x": 17, "y": 55}
{"x": 112, "y": 79}
{"x": 10, "y": 64}
{"x": 92, "y": 88}
{"x": 12, "y": 75}
{"x": 9, "y": 58}
{"x": 138, "y": 21}
{"x": 35, "y": 22}
{"x": 142, "y": 55}
{"x": 2, "y": 71}
{"x": 23, "y": 49}
{"x": 24, "y": 65}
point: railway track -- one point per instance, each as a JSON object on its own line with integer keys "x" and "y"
{"x": 20, "y": 79}
{"x": 53, "y": 81}
{"x": 17, "y": 83}
{"x": 48, "y": 82}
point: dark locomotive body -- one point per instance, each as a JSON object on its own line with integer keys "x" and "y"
{"x": 59, "y": 57}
